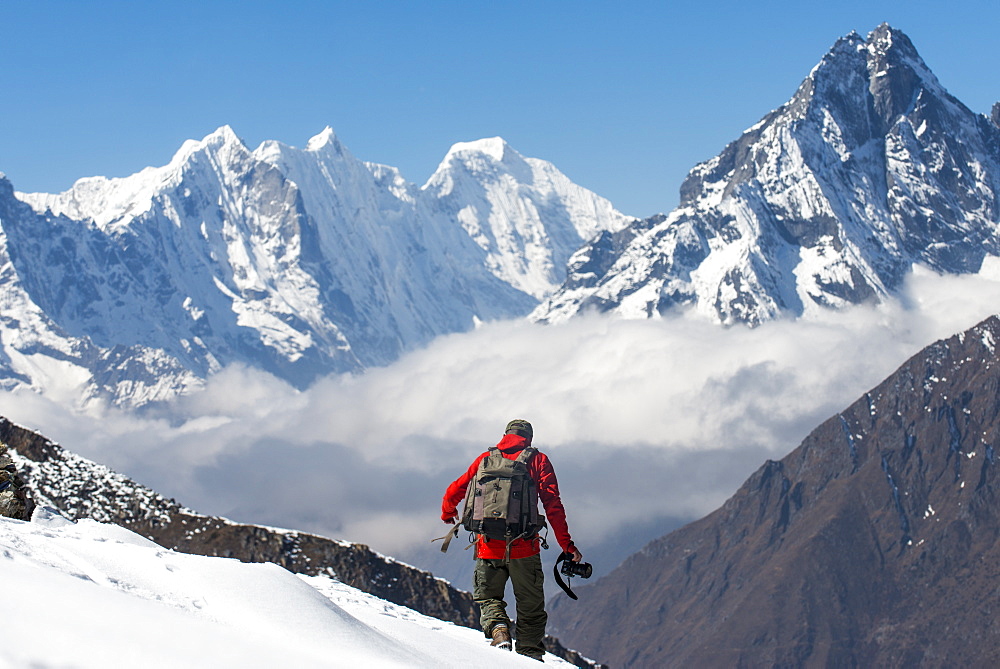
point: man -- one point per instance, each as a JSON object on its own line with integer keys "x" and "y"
{"x": 496, "y": 560}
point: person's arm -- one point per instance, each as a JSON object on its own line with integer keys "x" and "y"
{"x": 456, "y": 492}
{"x": 555, "y": 513}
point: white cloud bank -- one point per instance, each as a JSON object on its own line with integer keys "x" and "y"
{"x": 645, "y": 421}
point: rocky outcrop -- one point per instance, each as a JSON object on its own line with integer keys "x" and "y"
{"x": 874, "y": 543}
{"x": 80, "y": 488}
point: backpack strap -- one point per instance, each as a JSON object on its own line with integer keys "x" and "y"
{"x": 526, "y": 455}
{"x": 452, "y": 533}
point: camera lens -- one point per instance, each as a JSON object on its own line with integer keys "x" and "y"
{"x": 581, "y": 569}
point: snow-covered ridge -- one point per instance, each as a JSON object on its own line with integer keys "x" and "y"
{"x": 871, "y": 168}
{"x": 300, "y": 262}
{"x": 160, "y": 608}
{"x": 81, "y": 488}
{"x": 105, "y": 200}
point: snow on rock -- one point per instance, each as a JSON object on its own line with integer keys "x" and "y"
{"x": 96, "y": 595}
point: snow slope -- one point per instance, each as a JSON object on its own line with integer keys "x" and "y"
{"x": 96, "y": 595}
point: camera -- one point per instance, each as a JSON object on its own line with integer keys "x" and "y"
{"x": 581, "y": 569}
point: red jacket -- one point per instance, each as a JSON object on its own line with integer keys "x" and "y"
{"x": 541, "y": 472}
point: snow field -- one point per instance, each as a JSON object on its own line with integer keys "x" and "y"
{"x": 88, "y": 594}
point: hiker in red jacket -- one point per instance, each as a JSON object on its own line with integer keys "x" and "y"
{"x": 519, "y": 560}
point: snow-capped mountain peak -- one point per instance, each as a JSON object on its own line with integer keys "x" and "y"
{"x": 115, "y": 201}
{"x": 318, "y": 141}
{"x": 495, "y": 148}
{"x": 871, "y": 167}
{"x": 522, "y": 212}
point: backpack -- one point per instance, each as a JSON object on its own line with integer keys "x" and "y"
{"x": 502, "y": 500}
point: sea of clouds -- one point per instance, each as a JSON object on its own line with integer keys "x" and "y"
{"x": 648, "y": 423}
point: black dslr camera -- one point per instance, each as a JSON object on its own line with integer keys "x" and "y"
{"x": 570, "y": 569}
{"x": 581, "y": 569}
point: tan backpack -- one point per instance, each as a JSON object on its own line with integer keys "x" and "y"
{"x": 502, "y": 500}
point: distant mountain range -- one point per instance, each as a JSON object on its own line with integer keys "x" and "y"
{"x": 300, "y": 262}
{"x": 305, "y": 262}
{"x": 829, "y": 200}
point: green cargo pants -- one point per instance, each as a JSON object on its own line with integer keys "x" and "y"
{"x": 525, "y": 574}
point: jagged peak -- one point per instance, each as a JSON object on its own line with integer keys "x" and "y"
{"x": 849, "y": 42}
{"x": 885, "y": 37}
{"x": 888, "y": 47}
{"x": 995, "y": 115}
{"x": 896, "y": 73}
{"x": 324, "y": 138}
{"x": 223, "y": 136}
{"x": 6, "y": 188}
{"x": 843, "y": 48}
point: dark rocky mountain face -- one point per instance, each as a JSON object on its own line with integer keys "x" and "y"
{"x": 828, "y": 201}
{"x": 873, "y": 544}
{"x": 80, "y": 488}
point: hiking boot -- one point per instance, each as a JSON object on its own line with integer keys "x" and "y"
{"x": 532, "y": 655}
{"x": 501, "y": 637}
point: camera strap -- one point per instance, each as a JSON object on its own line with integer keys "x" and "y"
{"x": 555, "y": 572}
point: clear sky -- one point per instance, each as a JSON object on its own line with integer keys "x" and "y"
{"x": 624, "y": 97}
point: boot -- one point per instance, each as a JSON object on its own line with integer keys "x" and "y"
{"x": 501, "y": 637}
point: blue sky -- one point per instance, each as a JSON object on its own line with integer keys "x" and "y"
{"x": 624, "y": 97}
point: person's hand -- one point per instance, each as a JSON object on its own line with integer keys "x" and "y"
{"x": 449, "y": 518}
{"x": 577, "y": 555}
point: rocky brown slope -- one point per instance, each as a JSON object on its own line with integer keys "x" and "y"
{"x": 874, "y": 543}
{"x": 81, "y": 488}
